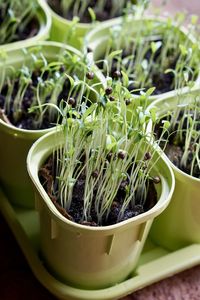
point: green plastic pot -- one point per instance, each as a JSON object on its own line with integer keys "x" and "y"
{"x": 16, "y": 142}
{"x": 97, "y": 39}
{"x": 44, "y": 17}
{"x": 63, "y": 30}
{"x": 91, "y": 257}
{"x": 179, "y": 224}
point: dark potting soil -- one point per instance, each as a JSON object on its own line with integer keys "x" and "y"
{"x": 162, "y": 82}
{"x": 75, "y": 212}
{"x": 29, "y": 31}
{"x": 86, "y": 18}
{"x": 25, "y": 119}
{"x": 175, "y": 153}
{"x": 174, "y": 149}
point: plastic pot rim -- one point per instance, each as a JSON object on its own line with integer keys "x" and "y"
{"x": 119, "y": 20}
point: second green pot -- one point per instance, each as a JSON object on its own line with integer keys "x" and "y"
{"x": 86, "y": 256}
{"x": 179, "y": 225}
{"x": 16, "y": 142}
{"x": 150, "y": 29}
{"x": 70, "y": 32}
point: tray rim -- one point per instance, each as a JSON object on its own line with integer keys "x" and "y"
{"x": 166, "y": 265}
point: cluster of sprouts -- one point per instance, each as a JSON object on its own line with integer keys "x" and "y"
{"x": 95, "y": 9}
{"x": 37, "y": 88}
{"x": 184, "y": 130}
{"x": 106, "y": 146}
{"x": 151, "y": 53}
{"x": 14, "y": 18}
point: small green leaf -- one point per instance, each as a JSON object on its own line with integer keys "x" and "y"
{"x": 114, "y": 53}
{"x": 92, "y": 14}
{"x": 155, "y": 46}
{"x": 110, "y": 146}
{"x": 166, "y": 124}
{"x": 90, "y": 110}
{"x": 150, "y": 91}
{"x": 153, "y": 114}
{"x": 125, "y": 79}
{"x": 110, "y": 142}
{"x": 190, "y": 120}
{"x": 54, "y": 64}
{"x": 170, "y": 71}
{"x": 71, "y": 80}
{"x": 142, "y": 118}
{"x": 183, "y": 49}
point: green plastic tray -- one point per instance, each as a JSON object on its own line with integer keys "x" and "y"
{"x": 155, "y": 263}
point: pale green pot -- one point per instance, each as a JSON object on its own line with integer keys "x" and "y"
{"x": 62, "y": 30}
{"x": 179, "y": 224}
{"x": 44, "y": 17}
{"x": 84, "y": 256}
{"x": 98, "y": 39}
{"x": 16, "y": 142}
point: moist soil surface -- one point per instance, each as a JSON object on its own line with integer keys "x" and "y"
{"x": 31, "y": 30}
{"x": 25, "y": 119}
{"x": 175, "y": 153}
{"x": 86, "y": 18}
{"x": 75, "y": 212}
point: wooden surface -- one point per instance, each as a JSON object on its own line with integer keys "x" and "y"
{"x": 17, "y": 281}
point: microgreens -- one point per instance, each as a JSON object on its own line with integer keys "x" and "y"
{"x": 106, "y": 147}
{"x": 14, "y": 18}
{"x": 36, "y": 89}
{"x": 183, "y": 125}
{"x": 94, "y": 10}
{"x": 147, "y": 52}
